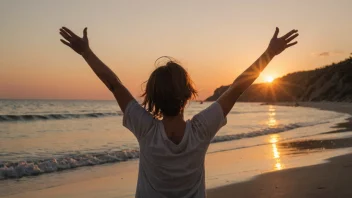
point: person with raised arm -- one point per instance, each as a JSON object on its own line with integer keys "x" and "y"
{"x": 172, "y": 149}
{"x": 277, "y": 45}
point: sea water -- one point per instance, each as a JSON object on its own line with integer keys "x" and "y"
{"x": 45, "y": 136}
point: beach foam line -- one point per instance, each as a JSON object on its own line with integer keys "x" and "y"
{"x": 13, "y": 170}
{"x": 10, "y": 170}
{"x": 61, "y": 116}
{"x": 37, "y": 117}
{"x": 265, "y": 131}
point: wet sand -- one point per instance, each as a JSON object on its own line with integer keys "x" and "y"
{"x": 332, "y": 179}
{"x": 260, "y": 175}
{"x": 119, "y": 180}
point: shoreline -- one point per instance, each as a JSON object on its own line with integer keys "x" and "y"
{"x": 236, "y": 170}
{"x": 322, "y": 180}
{"x": 341, "y": 107}
{"x": 304, "y": 182}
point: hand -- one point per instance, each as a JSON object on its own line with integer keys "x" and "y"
{"x": 78, "y": 44}
{"x": 278, "y": 45}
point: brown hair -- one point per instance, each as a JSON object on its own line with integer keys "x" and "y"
{"x": 168, "y": 90}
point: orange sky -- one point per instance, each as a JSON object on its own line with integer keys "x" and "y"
{"x": 214, "y": 40}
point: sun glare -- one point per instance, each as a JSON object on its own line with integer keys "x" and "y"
{"x": 269, "y": 79}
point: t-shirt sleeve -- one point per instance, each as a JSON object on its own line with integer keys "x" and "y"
{"x": 138, "y": 120}
{"x": 210, "y": 120}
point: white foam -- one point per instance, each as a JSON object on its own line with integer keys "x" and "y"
{"x": 30, "y": 168}
{"x": 36, "y": 167}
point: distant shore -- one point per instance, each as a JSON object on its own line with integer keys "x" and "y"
{"x": 342, "y": 107}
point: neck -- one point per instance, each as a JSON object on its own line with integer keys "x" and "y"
{"x": 173, "y": 118}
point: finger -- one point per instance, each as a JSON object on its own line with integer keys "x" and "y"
{"x": 69, "y": 31}
{"x": 276, "y": 32}
{"x": 65, "y": 32}
{"x": 291, "y": 44}
{"x": 289, "y": 34}
{"x": 65, "y": 42}
{"x": 291, "y": 38}
{"x": 65, "y": 35}
{"x": 85, "y": 33}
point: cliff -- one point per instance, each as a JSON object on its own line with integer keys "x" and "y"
{"x": 329, "y": 83}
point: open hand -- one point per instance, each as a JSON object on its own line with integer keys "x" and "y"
{"x": 78, "y": 44}
{"x": 278, "y": 45}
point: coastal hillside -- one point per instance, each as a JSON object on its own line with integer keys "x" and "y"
{"x": 329, "y": 83}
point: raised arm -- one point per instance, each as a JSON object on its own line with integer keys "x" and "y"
{"x": 105, "y": 74}
{"x": 276, "y": 46}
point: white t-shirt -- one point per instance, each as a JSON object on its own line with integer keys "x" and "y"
{"x": 167, "y": 169}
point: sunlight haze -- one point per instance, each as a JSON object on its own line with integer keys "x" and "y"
{"x": 214, "y": 40}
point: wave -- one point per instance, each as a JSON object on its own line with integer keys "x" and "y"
{"x": 9, "y": 170}
{"x": 246, "y": 112}
{"x": 36, "y": 117}
{"x": 261, "y": 132}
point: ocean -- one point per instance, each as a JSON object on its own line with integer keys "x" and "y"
{"x": 41, "y": 137}
{"x": 45, "y": 136}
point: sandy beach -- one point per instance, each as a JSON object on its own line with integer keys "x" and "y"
{"x": 331, "y": 179}
{"x": 189, "y": 99}
{"x": 305, "y": 167}
{"x": 309, "y": 181}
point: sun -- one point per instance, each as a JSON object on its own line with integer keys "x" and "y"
{"x": 269, "y": 79}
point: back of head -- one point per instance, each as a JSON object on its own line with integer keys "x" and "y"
{"x": 168, "y": 90}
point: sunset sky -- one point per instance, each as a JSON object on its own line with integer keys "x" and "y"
{"x": 214, "y": 40}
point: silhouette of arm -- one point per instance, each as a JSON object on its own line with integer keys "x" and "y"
{"x": 105, "y": 74}
{"x": 277, "y": 45}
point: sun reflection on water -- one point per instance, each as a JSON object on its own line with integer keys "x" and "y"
{"x": 274, "y": 139}
{"x": 272, "y": 123}
{"x": 275, "y": 151}
{"x": 276, "y": 154}
{"x": 278, "y": 166}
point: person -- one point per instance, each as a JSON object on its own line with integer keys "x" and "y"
{"x": 172, "y": 149}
